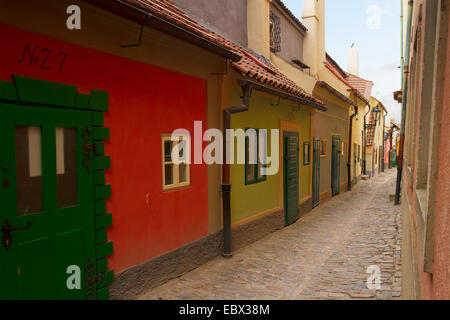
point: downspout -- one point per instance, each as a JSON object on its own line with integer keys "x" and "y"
{"x": 404, "y": 105}
{"x": 365, "y": 139}
{"x": 350, "y": 143}
{"x": 384, "y": 142}
{"x": 226, "y": 185}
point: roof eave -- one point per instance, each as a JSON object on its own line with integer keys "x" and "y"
{"x": 259, "y": 87}
{"x": 141, "y": 16}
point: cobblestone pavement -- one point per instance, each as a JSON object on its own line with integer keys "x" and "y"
{"x": 325, "y": 255}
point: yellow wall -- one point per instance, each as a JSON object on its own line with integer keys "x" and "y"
{"x": 253, "y": 201}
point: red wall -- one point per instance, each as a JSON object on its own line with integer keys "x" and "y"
{"x": 145, "y": 101}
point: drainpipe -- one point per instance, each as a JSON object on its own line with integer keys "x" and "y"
{"x": 350, "y": 143}
{"x": 226, "y": 185}
{"x": 365, "y": 139}
{"x": 404, "y": 105}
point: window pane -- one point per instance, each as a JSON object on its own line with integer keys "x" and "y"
{"x": 168, "y": 174}
{"x": 168, "y": 150}
{"x": 66, "y": 166}
{"x": 28, "y": 152}
{"x": 183, "y": 172}
{"x": 260, "y": 176}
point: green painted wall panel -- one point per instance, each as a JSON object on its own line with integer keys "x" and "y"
{"x": 102, "y": 162}
{"x": 100, "y": 207}
{"x": 103, "y": 294}
{"x": 82, "y": 101}
{"x": 99, "y": 100}
{"x": 105, "y": 250}
{"x": 103, "y": 221}
{"x": 99, "y": 177}
{"x": 98, "y": 119}
{"x": 99, "y": 148}
{"x": 106, "y": 279}
{"x": 101, "y": 133}
{"x": 45, "y": 92}
{"x": 102, "y": 192}
{"x": 101, "y": 236}
{"x": 7, "y": 91}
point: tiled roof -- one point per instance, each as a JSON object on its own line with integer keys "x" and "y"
{"x": 290, "y": 14}
{"x": 362, "y": 85}
{"x": 250, "y": 65}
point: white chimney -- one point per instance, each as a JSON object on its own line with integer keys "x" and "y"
{"x": 313, "y": 17}
{"x": 353, "y": 60}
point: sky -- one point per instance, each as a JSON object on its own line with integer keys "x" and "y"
{"x": 374, "y": 26}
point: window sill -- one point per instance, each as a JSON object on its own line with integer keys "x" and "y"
{"x": 176, "y": 188}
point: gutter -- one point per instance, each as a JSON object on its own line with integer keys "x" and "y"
{"x": 226, "y": 185}
{"x": 259, "y": 87}
{"x": 143, "y": 17}
{"x": 404, "y": 104}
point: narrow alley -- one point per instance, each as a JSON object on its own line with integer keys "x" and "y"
{"x": 325, "y": 255}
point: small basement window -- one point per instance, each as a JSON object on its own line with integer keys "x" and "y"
{"x": 175, "y": 171}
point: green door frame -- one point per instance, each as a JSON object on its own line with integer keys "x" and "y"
{"x": 33, "y": 94}
{"x": 291, "y": 145}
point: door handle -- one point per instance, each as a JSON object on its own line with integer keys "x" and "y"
{"x": 7, "y": 229}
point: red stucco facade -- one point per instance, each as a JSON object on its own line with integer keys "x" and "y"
{"x": 144, "y": 102}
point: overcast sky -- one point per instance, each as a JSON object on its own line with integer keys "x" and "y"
{"x": 378, "y": 40}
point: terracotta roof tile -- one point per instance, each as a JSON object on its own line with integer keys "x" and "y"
{"x": 250, "y": 65}
{"x": 362, "y": 85}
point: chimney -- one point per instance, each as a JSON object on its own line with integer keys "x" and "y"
{"x": 258, "y": 29}
{"x": 353, "y": 60}
{"x": 313, "y": 18}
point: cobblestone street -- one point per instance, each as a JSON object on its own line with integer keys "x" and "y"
{"x": 325, "y": 255}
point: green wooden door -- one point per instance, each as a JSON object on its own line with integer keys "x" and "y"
{"x": 291, "y": 177}
{"x": 46, "y": 180}
{"x": 336, "y": 165}
{"x": 316, "y": 173}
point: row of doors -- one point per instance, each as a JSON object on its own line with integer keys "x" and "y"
{"x": 335, "y": 169}
{"x": 291, "y": 173}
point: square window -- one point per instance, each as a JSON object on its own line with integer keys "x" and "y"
{"x": 254, "y": 170}
{"x": 176, "y": 172}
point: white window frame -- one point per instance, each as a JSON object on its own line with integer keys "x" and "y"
{"x": 176, "y": 167}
